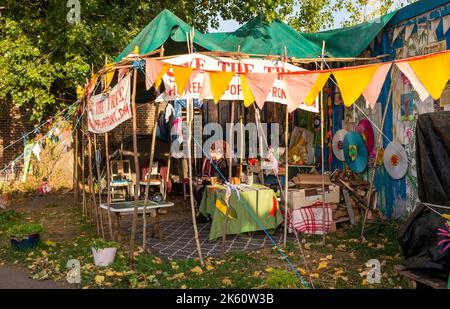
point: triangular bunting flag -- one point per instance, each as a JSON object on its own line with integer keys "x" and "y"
{"x": 181, "y": 75}
{"x": 352, "y": 82}
{"x": 408, "y": 31}
{"x": 159, "y": 77}
{"x": 435, "y": 24}
{"x": 152, "y": 70}
{"x": 397, "y": 32}
{"x": 246, "y": 92}
{"x": 417, "y": 85}
{"x": 205, "y": 92}
{"x": 318, "y": 85}
{"x": 219, "y": 82}
{"x": 297, "y": 88}
{"x": 192, "y": 78}
{"x": 445, "y": 23}
{"x": 372, "y": 91}
{"x": 433, "y": 72}
{"x": 260, "y": 85}
{"x": 108, "y": 76}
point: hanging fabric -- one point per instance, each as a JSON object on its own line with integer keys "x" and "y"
{"x": 373, "y": 89}
{"x": 260, "y": 86}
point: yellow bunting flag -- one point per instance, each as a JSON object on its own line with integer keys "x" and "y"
{"x": 219, "y": 83}
{"x": 181, "y": 75}
{"x": 246, "y": 92}
{"x": 158, "y": 80}
{"x": 318, "y": 85}
{"x": 433, "y": 72}
{"x": 352, "y": 82}
{"x": 109, "y": 74}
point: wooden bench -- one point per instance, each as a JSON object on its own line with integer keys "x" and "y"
{"x": 419, "y": 279}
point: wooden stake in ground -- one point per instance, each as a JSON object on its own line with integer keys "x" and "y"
{"x": 108, "y": 186}
{"x": 83, "y": 165}
{"x": 99, "y": 183}
{"x": 230, "y": 151}
{"x": 91, "y": 184}
{"x": 190, "y": 113}
{"x": 379, "y": 143}
{"x": 136, "y": 167}
{"x": 75, "y": 160}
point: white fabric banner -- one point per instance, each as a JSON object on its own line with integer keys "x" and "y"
{"x": 234, "y": 91}
{"x": 107, "y": 110}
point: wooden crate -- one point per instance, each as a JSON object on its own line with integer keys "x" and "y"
{"x": 419, "y": 279}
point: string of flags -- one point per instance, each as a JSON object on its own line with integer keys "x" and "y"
{"x": 257, "y": 81}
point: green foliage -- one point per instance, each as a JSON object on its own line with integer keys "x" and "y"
{"x": 22, "y": 230}
{"x": 100, "y": 243}
{"x": 282, "y": 279}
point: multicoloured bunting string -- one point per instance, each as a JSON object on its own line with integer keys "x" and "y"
{"x": 428, "y": 75}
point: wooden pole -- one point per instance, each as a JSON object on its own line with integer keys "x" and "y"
{"x": 152, "y": 154}
{"x": 91, "y": 184}
{"x": 322, "y": 163}
{"x": 108, "y": 186}
{"x": 286, "y": 173}
{"x": 99, "y": 182}
{"x": 191, "y": 189}
{"x": 136, "y": 167}
{"x": 230, "y": 151}
{"x": 379, "y": 142}
{"x": 286, "y": 180}
{"x": 83, "y": 165}
{"x": 75, "y": 161}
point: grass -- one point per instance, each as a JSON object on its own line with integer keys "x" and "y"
{"x": 339, "y": 264}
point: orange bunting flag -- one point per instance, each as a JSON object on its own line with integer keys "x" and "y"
{"x": 158, "y": 80}
{"x": 406, "y": 69}
{"x": 318, "y": 85}
{"x": 372, "y": 92}
{"x": 353, "y": 81}
{"x": 433, "y": 72}
{"x": 109, "y": 74}
{"x": 246, "y": 92}
{"x": 219, "y": 82}
{"x": 298, "y": 86}
{"x": 181, "y": 75}
{"x": 260, "y": 85}
{"x": 122, "y": 73}
{"x": 153, "y": 70}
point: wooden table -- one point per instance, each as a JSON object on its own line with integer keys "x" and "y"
{"x": 127, "y": 208}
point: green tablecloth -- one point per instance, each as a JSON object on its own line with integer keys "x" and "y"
{"x": 257, "y": 198}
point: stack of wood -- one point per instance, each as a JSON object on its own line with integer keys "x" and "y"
{"x": 353, "y": 201}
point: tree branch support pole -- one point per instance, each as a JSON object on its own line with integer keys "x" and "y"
{"x": 154, "y": 213}
{"x": 286, "y": 175}
{"x": 99, "y": 181}
{"x": 190, "y": 116}
{"x": 137, "y": 172}
{"x": 91, "y": 184}
{"x": 108, "y": 186}
{"x": 83, "y": 164}
{"x": 230, "y": 151}
{"x": 379, "y": 143}
{"x": 322, "y": 163}
{"x": 75, "y": 160}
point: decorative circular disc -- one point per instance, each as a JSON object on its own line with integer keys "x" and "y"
{"x": 355, "y": 152}
{"x": 395, "y": 160}
{"x": 365, "y": 129}
{"x": 338, "y": 144}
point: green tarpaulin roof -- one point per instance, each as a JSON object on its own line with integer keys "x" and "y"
{"x": 260, "y": 37}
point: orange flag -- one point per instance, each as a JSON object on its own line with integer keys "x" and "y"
{"x": 181, "y": 75}
{"x": 318, "y": 85}
{"x": 433, "y": 72}
{"x": 353, "y": 81}
{"x": 219, "y": 82}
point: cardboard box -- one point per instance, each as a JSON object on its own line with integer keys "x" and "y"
{"x": 310, "y": 179}
{"x": 298, "y": 198}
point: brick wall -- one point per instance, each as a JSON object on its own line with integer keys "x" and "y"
{"x": 14, "y": 122}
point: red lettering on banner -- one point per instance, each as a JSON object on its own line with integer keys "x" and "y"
{"x": 99, "y": 107}
{"x": 278, "y": 93}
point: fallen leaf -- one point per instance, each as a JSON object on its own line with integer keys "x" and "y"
{"x": 109, "y": 273}
{"x": 341, "y": 247}
{"x": 338, "y": 271}
{"x": 99, "y": 279}
{"x": 50, "y": 243}
{"x": 184, "y": 287}
{"x": 197, "y": 270}
{"x": 329, "y": 257}
{"x": 269, "y": 269}
{"x": 365, "y": 282}
{"x": 256, "y": 274}
{"x": 302, "y": 271}
{"x": 307, "y": 246}
{"x": 322, "y": 265}
{"x": 314, "y": 276}
{"x": 363, "y": 273}
{"x": 44, "y": 253}
{"x": 209, "y": 267}
{"x": 227, "y": 281}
